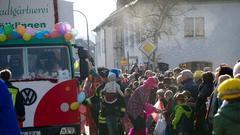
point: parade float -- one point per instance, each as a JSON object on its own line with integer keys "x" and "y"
{"x": 42, "y": 68}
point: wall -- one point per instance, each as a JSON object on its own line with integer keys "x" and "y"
{"x": 221, "y": 41}
{"x": 65, "y": 12}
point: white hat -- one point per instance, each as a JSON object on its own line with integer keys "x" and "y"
{"x": 236, "y": 69}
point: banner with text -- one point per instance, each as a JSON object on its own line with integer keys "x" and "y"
{"x": 38, "y": 14}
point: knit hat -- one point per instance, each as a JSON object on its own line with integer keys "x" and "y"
{"x": 160, "y": 92}
{"x": 151, "y": 82}
{"x": 111, "y": 76}
{"x": 197, "y": 75}
{"x": 180, "y": 96}
{"x": 116, "y": 71}
{"x": 229, "y": 89}
{"x": 226, "y": 70}
{"x": 236, "y": 69}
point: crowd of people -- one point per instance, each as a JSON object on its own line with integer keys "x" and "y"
{"x": 143, "y": 102}
{"x": 177, "y": 102}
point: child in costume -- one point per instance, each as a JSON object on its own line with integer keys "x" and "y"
{"x": 111, "y": 89}
{"x": 182, "y": 122}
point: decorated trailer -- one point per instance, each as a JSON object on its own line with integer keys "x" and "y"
{"x": 43, "y": 69}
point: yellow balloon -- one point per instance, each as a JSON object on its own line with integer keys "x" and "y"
{"x": 2, "y": 37}
{"x": 74, "y": 106}
{"x": 26, "y": 37}
{"x": 76, "y": 65}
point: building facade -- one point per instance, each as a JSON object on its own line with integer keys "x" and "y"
{"x": 204, "y": 33}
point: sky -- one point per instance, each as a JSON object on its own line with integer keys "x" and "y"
{"x": 95, "y": 10}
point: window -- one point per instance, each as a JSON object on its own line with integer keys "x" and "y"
{"x": 194, "y": 27}
{"x": 188, "y": 27}
{"x": 35, "y": 62}
{"x": 49, "y": 62}
{"x": 12, "y": 59}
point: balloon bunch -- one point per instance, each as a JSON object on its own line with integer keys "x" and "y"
{"x": 78, "y": 105}
{"x": 61, "y": 29}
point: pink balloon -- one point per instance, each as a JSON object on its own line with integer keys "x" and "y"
{"x": 82, "y": 109}
{"x": 30, "y": 31}
{"x": 68, "y": 27}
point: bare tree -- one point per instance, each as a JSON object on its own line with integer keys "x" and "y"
{"x": 155, "y": 17}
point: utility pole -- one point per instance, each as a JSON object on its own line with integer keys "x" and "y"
{"x": 86, "y": 27}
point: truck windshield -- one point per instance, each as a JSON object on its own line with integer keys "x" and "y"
{"x": 37, "y": 62}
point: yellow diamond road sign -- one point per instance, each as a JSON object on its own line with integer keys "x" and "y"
{"x": 147, "y": 48}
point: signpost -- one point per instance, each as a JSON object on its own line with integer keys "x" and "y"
{"x": 123, "y": 61}
{"x": 147, "y": 48}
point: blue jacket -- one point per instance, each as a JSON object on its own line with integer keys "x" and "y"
{"x": 8, "y": 120}
{"x": 191, "y": 86}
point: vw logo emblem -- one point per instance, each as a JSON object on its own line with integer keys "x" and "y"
{"x": 29, "y": 96}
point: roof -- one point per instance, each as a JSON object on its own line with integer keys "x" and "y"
{"x": 118, "y": 11}
{"x": 114, "y": 14}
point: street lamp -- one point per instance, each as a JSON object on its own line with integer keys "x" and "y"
{"x": 86, "y": 26}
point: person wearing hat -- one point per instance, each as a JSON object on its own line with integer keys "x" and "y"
{"x": 160, "y": 104}
{"x": 236, "y": 69}
{"x": 111, "y": 93}
{"x": 204, "y": 91}
{"x": 197, "y": 77}
{"x": 215, "y": 103}
{"x": 227, "y": 120}
{"x": 182, "y": 121}
{"x": 95, "y": 104}
{"x": 138, "y": 105}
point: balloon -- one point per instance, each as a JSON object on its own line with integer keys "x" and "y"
{"x": 30, "y": 31}
{"x": 8, "y": 29}
{"x": 2, "y": 37}
{"x": 53, "y": 34}
{"x": 68, "y": 27}
{"x": 74, "y": 32}
{"x": 68, "y": 36}
{"x": 39, "y": 35}
{"x": 62, "y": 28}
{"x": 1, "y": 31}
{"x": 14, "y": 34}
{"x": 81, "y": 97}
{"x": 76, "y": 65}
{"x": 26, "y": 36}
{"x": 19, "y": 36}
{"x": 74, "y": 106}
{"x": 46, "y": 34}
{"x": 20, "y": 29}
{"x": 82, "y": 109}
